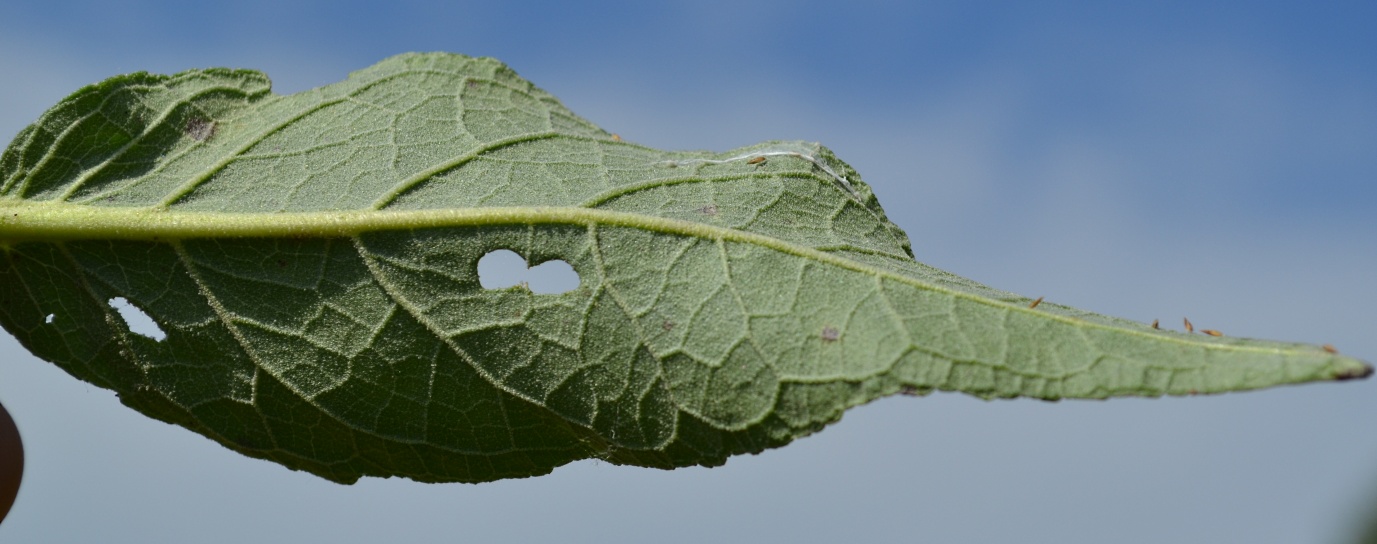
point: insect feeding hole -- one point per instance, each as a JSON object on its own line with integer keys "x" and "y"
{"x": 503, "y": 268}
{"x": 137, "y": 321}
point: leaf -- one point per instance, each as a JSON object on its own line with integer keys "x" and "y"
{"x": 309, "y": 262}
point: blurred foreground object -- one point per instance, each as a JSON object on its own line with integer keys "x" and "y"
{"x": 11, "y": 462}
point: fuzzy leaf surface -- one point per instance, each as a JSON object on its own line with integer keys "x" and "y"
{"x": 311, "y": 260}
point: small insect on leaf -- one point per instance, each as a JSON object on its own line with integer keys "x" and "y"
{"x": 1330, "y": 348}
{"x": 616, "y": 137}
{"x": 756, "y": 160}
{"x": 1212, "y": 332}
{"x": 1035, "y": 303}
{"x": 1155, "y": 324}
{"x": 830, "y": 334}
{"x": 1189, "y": 326}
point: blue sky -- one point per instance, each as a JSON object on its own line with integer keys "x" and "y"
{"x": 1212, "y": 160}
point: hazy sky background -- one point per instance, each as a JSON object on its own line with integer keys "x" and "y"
{"x": 1212, "y": 160}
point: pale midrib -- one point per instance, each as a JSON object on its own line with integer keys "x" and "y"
{"x": 23, "y": 221}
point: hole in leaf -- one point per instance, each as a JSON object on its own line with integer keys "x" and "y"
{"x": 502, "y": 269}
{"x": 137, "y": 321}
{"x": 50, "y": 318}
{"x": 553, "y": 277}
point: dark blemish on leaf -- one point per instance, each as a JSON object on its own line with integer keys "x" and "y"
{"x": 1189, "y": 326}
{"x": 1212, "y": 332}
{"x": 830, "y": 334}
{"x": 1035, "y": 303}
{"x": 200, "y": 129}
{"x": 909, "y": 391}
{"x": 667, "y": 325}
{"x": 708, "y": 210}
{"x": 1154, "y": 324}
{"x": 1354, "y": 374}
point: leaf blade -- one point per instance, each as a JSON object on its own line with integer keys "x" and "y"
{"x": 306, "y": 272}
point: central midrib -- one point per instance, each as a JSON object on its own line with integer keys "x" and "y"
{"x": 22, "y": 221}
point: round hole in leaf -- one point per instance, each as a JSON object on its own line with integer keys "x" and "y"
{"x": 503, "y": 268}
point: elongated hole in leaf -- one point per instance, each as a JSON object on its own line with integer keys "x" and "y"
{"x": 137, "y": 321}
{"x": 50, "y": 318}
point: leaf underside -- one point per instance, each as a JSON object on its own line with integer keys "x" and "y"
{"x": 312, "y": 260}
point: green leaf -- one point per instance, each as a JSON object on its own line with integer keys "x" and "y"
{"x": 311, "y": 260}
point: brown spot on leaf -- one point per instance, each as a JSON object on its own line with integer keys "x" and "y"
{"x": 1354, "y": 374}
{"x": 200, "y": 129}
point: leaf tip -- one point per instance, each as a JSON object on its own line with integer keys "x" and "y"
{"x": 1356, "y": 373}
